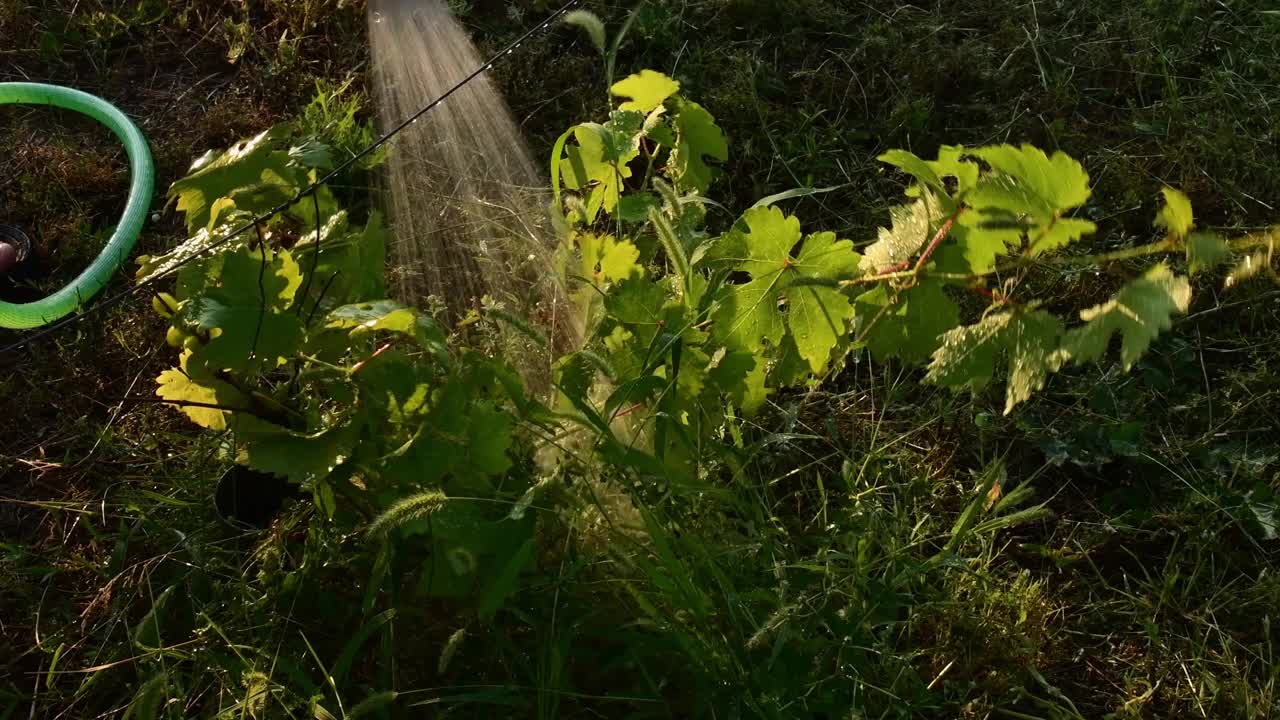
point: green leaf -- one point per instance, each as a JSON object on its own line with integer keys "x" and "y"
{"x": 819, "y": 316}
{"x": 351, "y": 264}
{"x": 1027, "y": 336}
{"x": 185, "y": 384}
{"x": 390, "y": 316}
{"x": 768, "y": 240}
{"x": 754, "y": 391}
{"x": 794, "y": 193}
{"x": 910, "y": 232}
{"x": 506, "y": 582}
{"x": 1031, "y": 187}
{"x": 606, "y": 259}
{"x": 817, "y": 312}
{"x": 697, "y": 138}
{"x": 598, "y": 163}
{"x": 150, "y": 699}
{"x": 621, "y": 136}
{"x": 489, "y": 431}
{"x": 1139, "y": 312}
{"x": 748, "y": 316}
{"x": 915, "y": 167}
{"x": 1206, "y": 251}
{"x": 950, "y": 164}
{"x": 300, "y": 457}
{"x": 1176, "y": 214}
{"x": 245, "y": 276}
{"x": 636, "y": 302}
{"x": 1051, "y": 183}
{"x": 908, "y": 326}
{"x": 371, "y": 704}
{"x": 262, "y": 159}
{"x": 591, "y": 24}
{"x": 1059, "y": 233}
{"x": 242, "y": 335}
{"x": 152, "y": 266}
{"x": 973, "y": 248}
{"x": 634, "y": 207}
{"x": 646, "y": 89}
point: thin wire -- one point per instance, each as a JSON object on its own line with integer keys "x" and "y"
{"x": 262, "y": 291}
{"x": 111, "y": 300}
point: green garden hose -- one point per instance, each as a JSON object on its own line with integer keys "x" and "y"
{"x": 141, "y": 184}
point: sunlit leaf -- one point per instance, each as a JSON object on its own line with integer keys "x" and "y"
{"x": 1139, "y": 312}
{"x": 646, "y": 89}
{"x": 1026, "y": 336}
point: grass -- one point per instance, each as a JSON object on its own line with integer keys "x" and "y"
{"x": 1130, "y": 573}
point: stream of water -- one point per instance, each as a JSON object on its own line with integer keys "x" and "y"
{"x": 467, "y": 208}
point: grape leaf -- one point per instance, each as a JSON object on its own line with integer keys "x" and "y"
{"x": 950, "y": 163}
{"x": 728, "y": 369}
{"x": 752, "y": 393}
{"x": 390, "y": 316}
{"x": 1059, "y": 233}
{"x": 818, "y": 312}
{"x": 915, "y": 167}
{"x": 188, "y": 383}
{"x": 599, "y": 162}
{"x": 606, "y": 259}
{"x": 251, "y": 162}
{"x": 1057, "y": 183}
{"x": 1176, "y": 214}
{"x": 1139, "y": 312}
{"x": 1029, "y": 184}
{"x": 489, "y": 435}
{"x": 242, "y": 334}
{"x": 697, "y": 137}
{"x": 818, "y": 315}
{"x": 244, "y": 277}
{"x": 350, "y": 267}
{"x": 1028, "y": 336}
{"x": 300, "y": 457}
{"x": 974, "y": 245}
{"x": 646, "y": 89}
{"x": 151, "y": 266}
{"x": 634, "y": 207}
{"x": 1206, "y": 251}
{"x": 910, "y": 326}
{"x": 621, "y": 136}
{"x": 910, "y": 232}
{"x": 636, "y": 302}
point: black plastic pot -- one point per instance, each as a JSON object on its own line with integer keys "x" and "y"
{"x": 249, "y": 500}
{"x": 14, "y": 281}
{"x": 14, "y": 235}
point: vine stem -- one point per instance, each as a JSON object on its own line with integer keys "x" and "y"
{"x": 938, "y": 237}
{"x": 195, "y": 404}
{"x": 360, "y": 365}
{"x": 1265, "y": 238}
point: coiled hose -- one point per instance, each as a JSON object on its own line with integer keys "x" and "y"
{"x": 141, "y": 185}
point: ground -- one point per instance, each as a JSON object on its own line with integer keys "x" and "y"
{"x": 1147, "y": 592}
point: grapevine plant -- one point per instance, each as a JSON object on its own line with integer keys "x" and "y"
{"x": 289, "y": 348}
{"x": 703, "y": 327}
